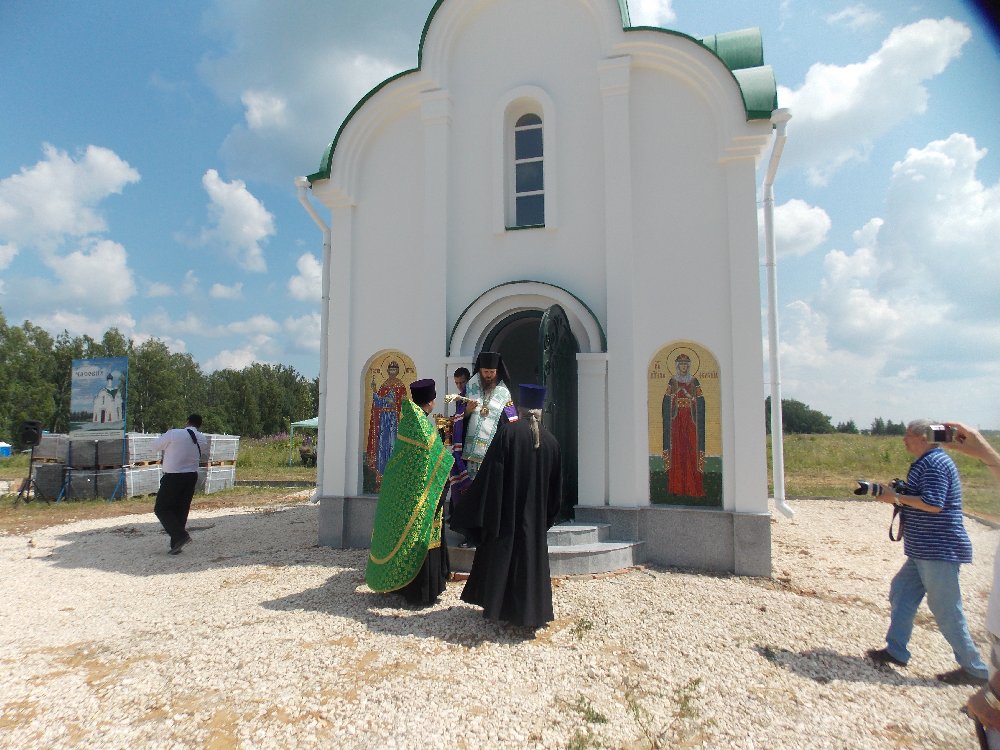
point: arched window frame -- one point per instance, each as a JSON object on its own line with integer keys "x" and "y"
{"x": 510, "y": 108}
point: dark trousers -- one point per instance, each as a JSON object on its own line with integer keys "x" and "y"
{"x": 173, "y": 503}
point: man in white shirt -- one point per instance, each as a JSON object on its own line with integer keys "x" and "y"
{"x": 183, "y": 449}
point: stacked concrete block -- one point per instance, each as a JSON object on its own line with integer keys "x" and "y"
{"x": 48, "y": 479}
{"x": 222, "y": 447}
{"x": 142, "y": 480}
{"x": 110, "y": 484}
{"x": 82, "y": 454}
{"x": 81, "y": 484}
{"x": 52, "y": 448}
{"x": 135, "y": 448}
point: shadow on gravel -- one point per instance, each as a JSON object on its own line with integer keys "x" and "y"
{"x": 269, "y": 536}
{"x": 824, "y": 666}
{"x": 344, "y": 595}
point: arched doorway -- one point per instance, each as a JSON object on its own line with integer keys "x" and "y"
{"x": 539, "y": 347}
{"x": 540, "y": 329}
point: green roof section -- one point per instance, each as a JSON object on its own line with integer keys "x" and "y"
{"x": 742, "y": 52}
{"x": 760, "y": 91}
{"x": 737, "y": 49}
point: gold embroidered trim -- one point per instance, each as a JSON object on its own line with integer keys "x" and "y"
{"x": 421, "y": 502}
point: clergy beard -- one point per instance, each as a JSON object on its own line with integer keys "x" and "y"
{"x": 535, "y": 418}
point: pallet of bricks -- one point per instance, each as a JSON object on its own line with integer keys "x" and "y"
{"x": 218, "y": 467}
{"x": 84, "y": 469}
{"x": 111, "y": 468}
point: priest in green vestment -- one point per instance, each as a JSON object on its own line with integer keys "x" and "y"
{"x": 408, "y": 552}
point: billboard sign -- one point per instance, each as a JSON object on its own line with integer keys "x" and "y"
{"x": 98, "y": 389}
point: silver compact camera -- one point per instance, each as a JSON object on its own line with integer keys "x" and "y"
{"x": 939, "y": 433}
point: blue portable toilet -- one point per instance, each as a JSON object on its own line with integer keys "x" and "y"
{"x": 4, "y": 450}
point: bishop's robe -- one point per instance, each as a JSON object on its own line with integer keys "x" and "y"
{"x": 517, "y": 494}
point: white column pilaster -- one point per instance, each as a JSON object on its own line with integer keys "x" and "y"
{"x": 592, "y": 421}
{"x": 627, "y": 471}
{"x": 340, "y": 445}
{"x": 744, "y": 477}
{"x": 435, "y": 110}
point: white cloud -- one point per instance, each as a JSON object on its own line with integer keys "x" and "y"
{"x": 58, "y": 197}
{"x": 7, "y": 254}
{"x": 308, "y": 285}
{"x": 855, "y": 17}
{"x": 159, "y": 289}
{"x": 304, "y": 332}
{"x": 909, "y": 314}
{"x": 798, "y": 228}
{"x": 264, "y": 110}
{"x": 240, "y": 223}
{"x": 839, "y": 111}
{"x": 295, "y": 96}
{"x": 651, "y": 12}
{"x": 232, "y": 359}
{"x": 258, "y": 324}
{"x": 221, "y": 291}
{"x": 97, "y": 275}
{"x": 190, "y": 284}
{"x": 79, "y": 324}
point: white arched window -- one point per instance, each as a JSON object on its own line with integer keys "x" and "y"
{"x": 528, "y": 175}
{"x": 524, "y": 160}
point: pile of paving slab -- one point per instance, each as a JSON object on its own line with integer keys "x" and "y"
{"x": 73, "y": 468}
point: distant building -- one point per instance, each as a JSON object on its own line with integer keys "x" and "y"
{"x": 580, "y": 195}
{"x": 108, "y": 405}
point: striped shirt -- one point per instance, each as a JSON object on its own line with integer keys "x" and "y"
{"x": 936, "y": 536}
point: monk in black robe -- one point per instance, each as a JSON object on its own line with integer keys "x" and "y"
{"x": 517, "y": 496}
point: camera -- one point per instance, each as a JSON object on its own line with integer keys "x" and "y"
{"x": 939, "y": 433}
{"x": 876, "y": 489}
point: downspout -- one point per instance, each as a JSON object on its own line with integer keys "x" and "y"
{"x": 302, "y": 184}
{"x": 779, "y": 118}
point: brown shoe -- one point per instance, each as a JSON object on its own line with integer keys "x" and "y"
{"x": 881, "y": 656}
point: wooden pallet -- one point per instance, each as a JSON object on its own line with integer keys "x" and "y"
{"x": 49, "y": 461}
{"x": 139, "y": 464}
{"x": 229, "y": 462}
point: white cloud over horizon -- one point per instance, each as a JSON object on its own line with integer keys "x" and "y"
{"x": 307, "y": 286}
{"x": 239, "y": 222}
{"x": 912, "y": 300}
{"x": 651, "y": 12}
{"x": 855, "y": 17}
{"x": 57, "y": 198}
{"x": 841, "y": 110}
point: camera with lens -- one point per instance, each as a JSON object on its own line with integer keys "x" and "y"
{"x": 876, "y": 489}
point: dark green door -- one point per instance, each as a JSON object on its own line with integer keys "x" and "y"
{"x": 557, "y": 347}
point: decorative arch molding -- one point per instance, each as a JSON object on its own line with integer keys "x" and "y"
{"x": 673, "y": 54}
{"x": 500, "y": 302}
{"x": 448, "y": 17}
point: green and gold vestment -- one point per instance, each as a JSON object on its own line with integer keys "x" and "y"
{"x": 407, "y": 517}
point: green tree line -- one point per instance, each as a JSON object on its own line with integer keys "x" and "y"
{"x": 163, "y": 386}
{"x": 797, "y": 417}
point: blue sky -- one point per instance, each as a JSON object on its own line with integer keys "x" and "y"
{"x": 148, "y": 152}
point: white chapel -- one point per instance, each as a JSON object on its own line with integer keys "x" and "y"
{"x": 580, "y": 195}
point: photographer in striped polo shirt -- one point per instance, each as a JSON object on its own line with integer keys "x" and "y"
{"x": 935, "y": 544}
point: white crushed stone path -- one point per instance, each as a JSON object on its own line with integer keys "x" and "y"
{"x": 255, "y": 637}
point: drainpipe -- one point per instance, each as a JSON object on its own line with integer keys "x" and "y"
{"x": 779, "y": 119}
{"x": 302, "y": 184}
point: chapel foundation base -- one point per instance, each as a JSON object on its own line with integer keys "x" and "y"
{"x": 695, "y": 538}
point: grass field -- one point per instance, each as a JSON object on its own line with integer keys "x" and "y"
{"x": 815, "y": 466}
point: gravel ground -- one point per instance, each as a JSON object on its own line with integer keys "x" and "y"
{"x": 255, "y": 637}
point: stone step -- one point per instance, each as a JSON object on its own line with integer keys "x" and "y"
{"x": 572, "y": 534}
{"x": 600, "y": 557}
{"x": 575, "y": 558}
